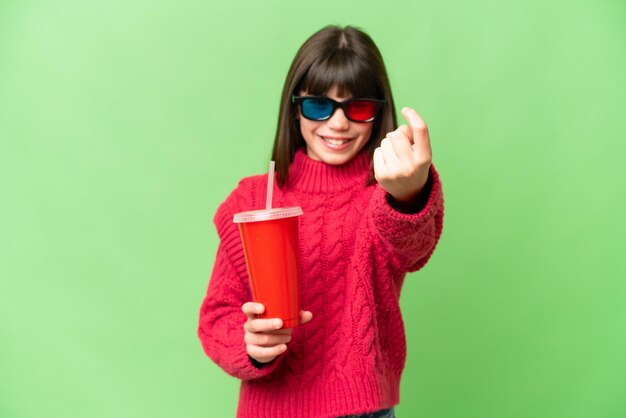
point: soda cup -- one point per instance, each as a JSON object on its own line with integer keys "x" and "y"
{"x": 270, "y": 245}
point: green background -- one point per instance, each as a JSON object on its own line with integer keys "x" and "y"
{"x": 123, "y": 124}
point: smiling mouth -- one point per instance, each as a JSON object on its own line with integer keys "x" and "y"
{"x": 335, "y": 141}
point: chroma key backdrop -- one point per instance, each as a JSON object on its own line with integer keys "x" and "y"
{"x": 123, "y": 125}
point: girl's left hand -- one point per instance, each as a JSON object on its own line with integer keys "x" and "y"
{"x": 402, "y": 161}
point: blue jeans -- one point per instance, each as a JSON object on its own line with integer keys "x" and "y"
{"x": 383, "y": 413}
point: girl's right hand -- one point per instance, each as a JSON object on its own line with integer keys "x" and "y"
{"x": 264, "y": 339}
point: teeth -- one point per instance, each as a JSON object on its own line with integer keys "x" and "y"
{"x": 335, "y": 141}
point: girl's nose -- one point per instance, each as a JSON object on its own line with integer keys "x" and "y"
{"x": 338, "y": 121}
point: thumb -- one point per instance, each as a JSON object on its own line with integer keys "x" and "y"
{"x": 305, "y": 316}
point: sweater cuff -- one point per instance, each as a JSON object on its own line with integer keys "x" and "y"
{"x": 234, "y": 359}
{"x": 417, "y": 204}
{"x": 410, "y": 236}
{"x": 385, "y": 208}
{"x": 252, "y": 369}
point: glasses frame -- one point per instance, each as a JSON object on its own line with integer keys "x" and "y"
{"x": 379, "y": 103}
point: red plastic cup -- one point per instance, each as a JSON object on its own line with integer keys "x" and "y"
{"x": 270, "y": 244}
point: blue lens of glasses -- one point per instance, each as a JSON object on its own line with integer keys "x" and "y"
{"x": 317, "y": 108}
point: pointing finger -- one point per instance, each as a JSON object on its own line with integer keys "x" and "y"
{"x": 401, "y": 143}
{"x": 406, "y": 131}
{"x": 389, "y": 153}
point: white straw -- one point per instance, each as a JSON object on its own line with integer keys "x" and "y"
{"x": 270, "y": 186}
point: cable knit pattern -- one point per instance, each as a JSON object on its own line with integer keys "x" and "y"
{"x": 355, "y": 251}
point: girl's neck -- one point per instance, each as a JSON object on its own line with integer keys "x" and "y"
{"x": 308, "y": 175}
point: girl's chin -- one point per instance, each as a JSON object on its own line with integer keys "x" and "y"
{"x": 332, "y": 158}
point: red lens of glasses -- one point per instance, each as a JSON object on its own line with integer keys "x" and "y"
{"x": 361, "y": 110}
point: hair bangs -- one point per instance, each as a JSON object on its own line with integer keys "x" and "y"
{"x": 344, "y": 69}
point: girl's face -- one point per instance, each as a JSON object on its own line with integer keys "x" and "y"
{"x": 335, "y": 140}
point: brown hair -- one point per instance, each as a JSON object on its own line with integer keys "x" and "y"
{"x": 346, "y": 57}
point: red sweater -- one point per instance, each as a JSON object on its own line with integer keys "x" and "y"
{"x": 355, "y": 252}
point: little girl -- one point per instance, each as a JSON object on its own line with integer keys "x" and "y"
{"x": 373, "y": 211}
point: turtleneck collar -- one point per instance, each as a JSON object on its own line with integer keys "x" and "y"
{"x": 309, "y": 175}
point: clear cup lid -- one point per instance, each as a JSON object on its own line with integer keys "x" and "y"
{"x": 266, "y": 215}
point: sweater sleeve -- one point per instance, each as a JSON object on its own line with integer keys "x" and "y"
{"x": 221, "y": 322}
{"x": 409, "y": 238}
